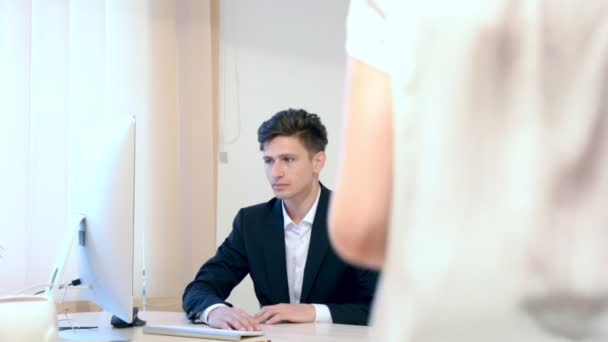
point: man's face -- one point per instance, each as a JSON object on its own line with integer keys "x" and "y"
{"x": 290, "y": 168}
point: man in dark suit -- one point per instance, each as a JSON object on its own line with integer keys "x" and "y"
{"x": 283, "y": 243}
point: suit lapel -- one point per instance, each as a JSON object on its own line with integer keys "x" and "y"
{"x": 274, "y": 252}
{"x": 319, "y": 244}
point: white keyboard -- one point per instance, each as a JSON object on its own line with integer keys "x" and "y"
{"x": 199, "y": 331}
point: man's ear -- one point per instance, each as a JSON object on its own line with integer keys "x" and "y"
{"x": 318, "y": 161}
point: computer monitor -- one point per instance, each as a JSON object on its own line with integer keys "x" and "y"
{"x": 102, "y": 170}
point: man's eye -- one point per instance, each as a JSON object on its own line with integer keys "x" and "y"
{"x": 288, "y": 159}
{"x": 268, "y": 161}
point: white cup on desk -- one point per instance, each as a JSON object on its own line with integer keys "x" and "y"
{"x": 28, "y": 319}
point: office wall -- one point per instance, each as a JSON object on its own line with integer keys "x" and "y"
{"x": 274, "y": 54}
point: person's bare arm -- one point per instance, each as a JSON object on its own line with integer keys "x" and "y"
{"x": 360, "y": 208}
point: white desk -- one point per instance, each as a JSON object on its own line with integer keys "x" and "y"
{"x": 309, "y": 332}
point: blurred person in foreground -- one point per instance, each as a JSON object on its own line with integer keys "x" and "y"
{"x": 477, "y": 133}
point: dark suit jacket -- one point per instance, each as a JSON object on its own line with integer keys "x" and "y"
{"x": 256, "y": 246}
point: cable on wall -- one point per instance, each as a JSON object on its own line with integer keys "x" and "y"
{"x": 229, "y": 58}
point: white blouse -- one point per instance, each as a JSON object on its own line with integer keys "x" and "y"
{"x": 499, "y": 230}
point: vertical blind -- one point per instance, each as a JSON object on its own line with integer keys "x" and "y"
{"x": 67, "y": 63}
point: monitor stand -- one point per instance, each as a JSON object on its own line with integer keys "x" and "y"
{"x": 120, "y": 324}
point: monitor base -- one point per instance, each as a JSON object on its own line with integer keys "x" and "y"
{"x": 120, "y": 324}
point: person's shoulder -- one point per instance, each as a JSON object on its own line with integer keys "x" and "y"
{"x": 261, "y": 208}
{"x": 325, "y": 189}
{"x": 325, "y": 195}
{"x": 250, "y": 217}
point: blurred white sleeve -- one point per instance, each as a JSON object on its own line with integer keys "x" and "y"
{"x": 366, "y": 31}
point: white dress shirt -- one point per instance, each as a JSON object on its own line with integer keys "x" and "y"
{"x": 297, "y": 241}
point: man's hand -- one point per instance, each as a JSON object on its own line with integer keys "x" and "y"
{"x": 295, "y": 313}
{"x": 224, "y": 317}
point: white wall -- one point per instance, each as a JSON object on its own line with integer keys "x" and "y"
{"x": 274, "y": 54}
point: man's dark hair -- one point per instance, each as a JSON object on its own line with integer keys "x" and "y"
{"x": 295, "y": 122}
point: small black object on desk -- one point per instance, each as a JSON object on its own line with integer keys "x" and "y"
{"x": 119, "y": 323}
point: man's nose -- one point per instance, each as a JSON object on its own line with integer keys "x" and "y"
{"x": 277, "y": 170}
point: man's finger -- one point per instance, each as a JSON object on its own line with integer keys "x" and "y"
{"x": 247, "y": 323}
{"x": 274, "y": 319}
{"x": 254, "y": 323}
{"x": 266, "y": 309}
{"x": 260, "y": 313}
{"x": 247, "y": 320}
{"x": 221, "y": 325}
{"x": 264, "y": 316}
{"x": 241, "y": 312}
{"x": 234, "y": 322}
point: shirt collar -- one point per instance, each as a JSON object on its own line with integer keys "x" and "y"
{"x": 310, "y": 216}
